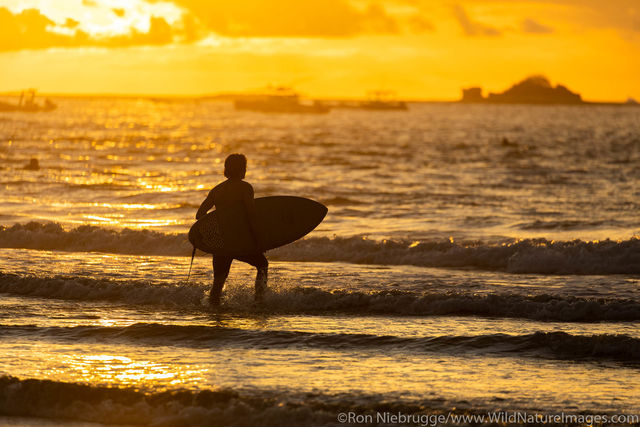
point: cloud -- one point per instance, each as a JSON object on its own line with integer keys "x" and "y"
{"x": 71, "y": 23}
{"x": 26, "y": 29}
{"x": 376, "y": 20}
{"x": 622, "y": 15}
{"x": 160, "y": 33}
{"x": 471, "y": 27}
{"x": 534, "y": 27}
{"x": 418, "y": 24}
{"x": 30, "y": 29}
{"x": 619, "y": 14}
{"x": 198, "y": 19}
{"x": 290, "y": 18}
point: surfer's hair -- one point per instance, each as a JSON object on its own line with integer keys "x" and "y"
{"x": 235, "y": 166}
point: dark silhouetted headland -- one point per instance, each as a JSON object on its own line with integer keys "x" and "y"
{"x": 532, "y": 90}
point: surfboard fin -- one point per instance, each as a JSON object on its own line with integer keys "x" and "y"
{"x": 193, "y": 254}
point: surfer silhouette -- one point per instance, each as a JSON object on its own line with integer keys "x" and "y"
{"x": 227, "y": 194}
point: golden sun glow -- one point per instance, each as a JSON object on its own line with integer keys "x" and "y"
{"x": 324, "y": 48}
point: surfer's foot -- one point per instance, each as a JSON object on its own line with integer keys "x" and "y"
{"x": 259, "y": 297}
{"x": 216, "y": 292}
{"x": 214, "y": 299}
{"x": 260, "y": 291}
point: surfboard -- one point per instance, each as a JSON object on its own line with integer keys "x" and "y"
{"x": 282, "y": 220}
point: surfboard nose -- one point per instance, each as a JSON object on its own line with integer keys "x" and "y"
{"x": 317, "y": 210}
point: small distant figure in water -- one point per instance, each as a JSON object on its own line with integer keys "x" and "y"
{"x": 507, "y": 143}
{"x": 33, "y": 165}
{"x": 226, "y": 194}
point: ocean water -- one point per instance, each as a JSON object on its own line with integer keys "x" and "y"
{"x": 474, "y": 259}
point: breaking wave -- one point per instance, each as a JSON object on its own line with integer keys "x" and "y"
{"x": 538, "y": 256}
{"x": 313, "y": 300}
{"x": 546, "y": 344}
{"x": 567, "y": 224}
{"x": 126, "y": 406}
{"x": 86, "y": 289}
{"x": 47, "y": 399}
{"x": 89, "y": 238}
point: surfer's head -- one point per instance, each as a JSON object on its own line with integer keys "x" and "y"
{"x": 235, "y": 166}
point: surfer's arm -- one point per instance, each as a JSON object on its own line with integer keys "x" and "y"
{"x": 205, "y": 206}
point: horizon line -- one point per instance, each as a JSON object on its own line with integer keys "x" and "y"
{"x": 222, "y": 94}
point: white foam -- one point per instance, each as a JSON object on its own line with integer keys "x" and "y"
{"x": 313, "y": 300}
{"x": 525, "y": 256}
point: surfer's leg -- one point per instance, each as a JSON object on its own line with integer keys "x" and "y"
{"x": 221, "y": 266}
{"x": 259, "y": 261}
{"x": 261, "y": 282}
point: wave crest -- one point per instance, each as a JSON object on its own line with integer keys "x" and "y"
{"x": 313, "y": 300}
{"x": 89, "y": 238}
{"x": 539, "y": 256}
{"x": 539, "y": 344}
{"x": 117, "y": 406}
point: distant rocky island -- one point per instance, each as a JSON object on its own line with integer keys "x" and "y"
{"x": 532, "y": 90}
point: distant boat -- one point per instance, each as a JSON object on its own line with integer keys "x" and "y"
{"x": 376, "y": 100}
{"x": 28, "y": 104}
{"x": 382, "y": 100}
{"x": 279, "y": 100}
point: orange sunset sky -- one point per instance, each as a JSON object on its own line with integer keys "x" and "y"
{"x": 422, "y": 49}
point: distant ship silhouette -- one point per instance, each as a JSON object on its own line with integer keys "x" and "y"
{"x": 382, "y": 100}
{"x": 377, "y": 100}
{"x": 28, "y": 104}
{"x": 280, "y": 99}
{"x": 533, "y": 90}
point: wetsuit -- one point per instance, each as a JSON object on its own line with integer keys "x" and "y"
{"x": 224, "y": 195}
